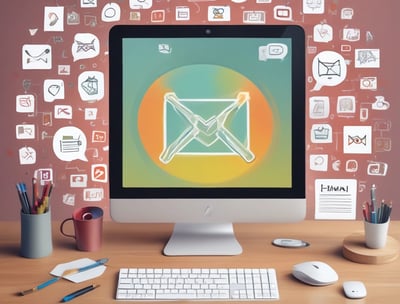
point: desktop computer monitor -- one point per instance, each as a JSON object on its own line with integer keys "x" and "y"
{"x": 207, "y": 128}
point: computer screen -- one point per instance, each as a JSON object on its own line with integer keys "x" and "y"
{"x": 206, "y": 129}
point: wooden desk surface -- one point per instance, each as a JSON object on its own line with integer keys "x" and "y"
{"x": 140, "y": 245}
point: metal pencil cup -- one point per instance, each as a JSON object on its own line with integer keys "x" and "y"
{"x": 36, "y": 235}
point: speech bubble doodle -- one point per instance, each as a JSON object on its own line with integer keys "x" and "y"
{"x": 91, "y": 85}
{"x": 86, "y": 45}
{"x": 69, "y": 143}
{"x": 329, "y": 69}
{"x": 272, "y": 51}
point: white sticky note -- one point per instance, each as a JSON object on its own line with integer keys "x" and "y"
{"x": 335, "y": 199}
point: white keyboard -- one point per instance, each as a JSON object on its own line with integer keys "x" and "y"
{"x": 197, "y": 284}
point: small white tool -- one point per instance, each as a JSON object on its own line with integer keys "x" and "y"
{"x": 290, "y": 243}
{"x": 354, "y": 289}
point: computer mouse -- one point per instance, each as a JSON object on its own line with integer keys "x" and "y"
{"x": 315, "y": 273}
{"x": 354, "y": 289}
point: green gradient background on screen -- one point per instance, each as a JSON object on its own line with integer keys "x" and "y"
{"x": 205, "y": 68}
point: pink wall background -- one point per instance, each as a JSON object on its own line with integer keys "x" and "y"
{"x": 339, "y": 26}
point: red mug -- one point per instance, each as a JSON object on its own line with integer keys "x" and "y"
{"x": 88, "y": 228}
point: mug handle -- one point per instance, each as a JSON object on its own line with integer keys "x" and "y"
{"x": 62, "y": 228}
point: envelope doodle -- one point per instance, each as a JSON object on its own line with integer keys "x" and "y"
{"x": 206, "y": 127}
{"x": 329, "y": 68}
{"x": 36, "y": 57}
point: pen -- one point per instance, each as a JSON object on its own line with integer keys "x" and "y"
{"x": 21, "y": 188}
{"x": 373, "y": 197}
{"x": 365, "y": 212}
{"x": 35, "y": 192}
{"x": 78, "y": 293}
{"x": 25, "y": 195}
{"x": 387, "y": 209}
{"x": 374, "y": 214}
{"x": 373, "y": 217}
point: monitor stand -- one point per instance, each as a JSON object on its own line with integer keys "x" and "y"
{"x": 202, "y": 239}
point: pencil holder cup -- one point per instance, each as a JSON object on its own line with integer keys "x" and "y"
{"x": 36, "y": 235}
{"x": 88, "y": 228}
{"x": 376, "y": 234}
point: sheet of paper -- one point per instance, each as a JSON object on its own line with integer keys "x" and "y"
{"x": 335, "y": 199}
{"x": 81, "y": 276}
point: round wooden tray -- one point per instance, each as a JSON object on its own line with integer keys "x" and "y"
{"x": 354, "y": 249}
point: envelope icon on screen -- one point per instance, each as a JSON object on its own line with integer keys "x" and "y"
{"x": 329, "y": 68}
{"x": 206, "y": 127}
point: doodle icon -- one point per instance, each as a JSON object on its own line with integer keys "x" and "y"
{"x": 85, "y": 46}
{"x": 357, "y": 139}
{"x": 272, "y": 51}
{"x": 88, "y": 3}
{"x": 319, "y": 107}
{"x": 53, "y": 19}
{"x": 321, "y": 133}
{"x": 53, "y": 89}
{"x": 323, "y": 33}
{"x": 376, "y": 168}
{"x": 27, "y": 156}
{"x": 36, "y": 57}
{"x": 140, "y": 4}
{"x": 313, "y": 6}
{"x": 283, "y": 13}
{"x": 329, "y": 69}
{"x": 99, "y": 173}
{"x": 91, "y": 85}
{"x": 380, "y": 103}
{"x": 219, "y": 13}
{"x": 69, "y": 143}
{"x": 111, "y": 12}
{"x": 25, "y": 103}
{"x": 25, "y": 131}
{"x": 367, "y": 58}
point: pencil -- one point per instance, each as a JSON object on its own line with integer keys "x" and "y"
{"x": 79, "y": 292}
{"x": 367, "y": 211}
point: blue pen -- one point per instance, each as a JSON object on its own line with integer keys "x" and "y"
{"x": 373, "y": 217}
{"x": 95, "y": 264}
{"x": 65, "y": 273}
{"x": 23, "y": 198}
{"x": 25, "y": 195}
{"x": 78, "y": 293}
